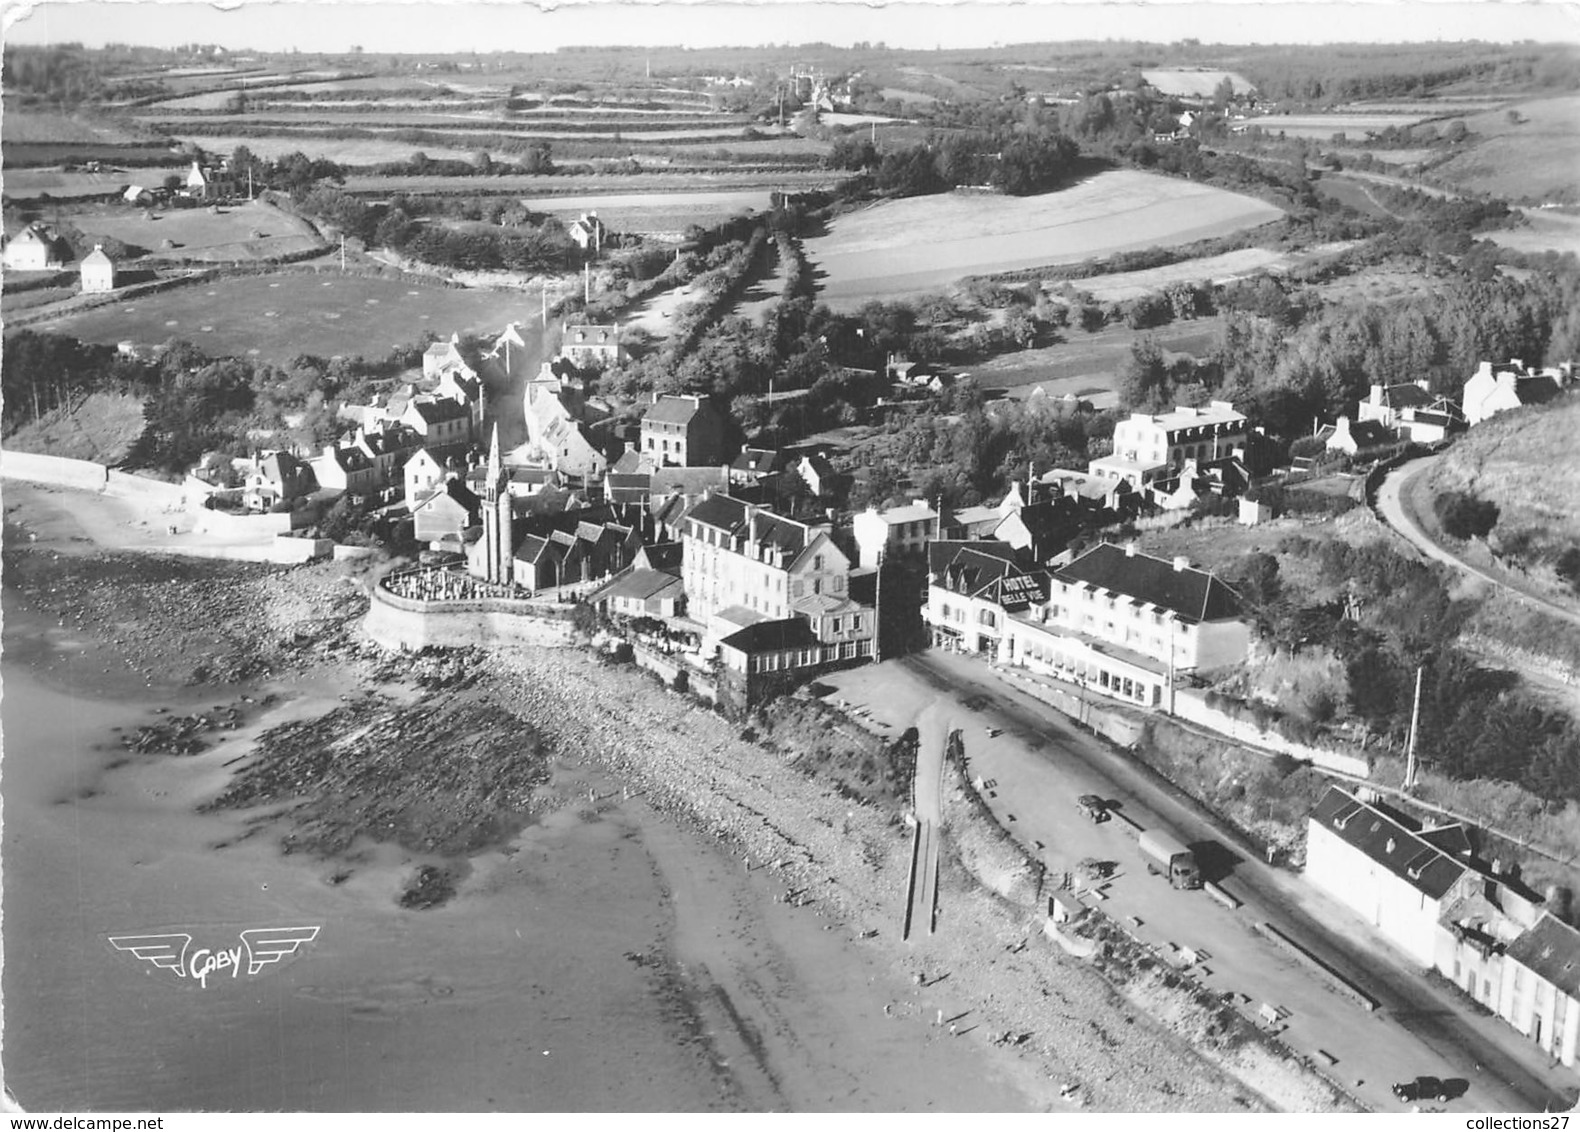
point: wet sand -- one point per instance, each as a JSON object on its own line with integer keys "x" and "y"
{"x": 607, "y": 959}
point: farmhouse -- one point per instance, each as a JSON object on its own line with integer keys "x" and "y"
{"x": 591, "y": 346}
{"x": 588, "y": 232}
{"x": 1495, "y": 390}
{"x": 347, "y": 469}
{"x": 98, "y": 272}
{"x": 34, "y": 248}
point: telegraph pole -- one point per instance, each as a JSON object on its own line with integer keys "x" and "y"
{"x": 1410, "y": 766}
{"x": 342, "y": 253}
{"x": 877, "y": 606}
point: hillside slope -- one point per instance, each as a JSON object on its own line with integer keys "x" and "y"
{"x": 1528, "y": 464}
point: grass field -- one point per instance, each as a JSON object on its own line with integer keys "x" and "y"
{"x": 1088, "y": 364}
{"x": 1538, "y": 159}
{"x": 1545, "y": 230}
{"x": 921, "y": 244}
{"x": 276, "y": 317}
{"x": 1377, "y": 285}
{"x": 1324, "y": 126}
{"x": 30, "y": 125}
{"x": 655, "y": 212}
{"x": 63, "y": 186}
{"x": 198, "y": 233}
{"x": 1194, "y": 84}
{"x": 1123, "y": 285}
{"x": 346, "y": 151}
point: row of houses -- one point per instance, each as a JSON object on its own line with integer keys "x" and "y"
{"x": 1408, "y": 411}
{"x": 37, "y": 247}
{"x": 1426, "y": 891}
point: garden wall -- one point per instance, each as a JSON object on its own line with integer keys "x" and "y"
{"x": 1191, "y": 704}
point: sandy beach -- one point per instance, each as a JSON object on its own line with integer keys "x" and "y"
{"x": 677, "y": 918}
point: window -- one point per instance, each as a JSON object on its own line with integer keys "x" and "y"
{"x": 817, "y": 562}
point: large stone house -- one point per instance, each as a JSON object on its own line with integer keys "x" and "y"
{"x": 591, "y": 346}
{"x": 689, "y": 431}
{"x": 1147, "y": 446}
{"x": 1123, "y": 624}
{"x": 895, "y": 532}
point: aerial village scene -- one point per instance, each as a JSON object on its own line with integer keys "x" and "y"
{"x": 962, "y": 559}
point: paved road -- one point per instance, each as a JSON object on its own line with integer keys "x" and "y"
{"x": 1391, "y": 509}
{"x": 1040, "y": 762}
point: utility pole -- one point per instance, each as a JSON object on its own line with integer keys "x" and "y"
{"x": 544, "y": 295}
{"x": 1410, "y": 766}
{"x": 586, "y": 283}
{"x": 342, "y": 253}
{"x": 877, "y": 607}
{"x": 249, "y": 182}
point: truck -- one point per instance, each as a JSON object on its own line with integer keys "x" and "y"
{"x": 1168, "y": 858}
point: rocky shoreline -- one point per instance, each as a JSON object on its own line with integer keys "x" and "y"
{"x": 428, "y": 754}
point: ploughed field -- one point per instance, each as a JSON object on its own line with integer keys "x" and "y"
{"x": 921, "y": 244}
{"x": 277, "y": 317}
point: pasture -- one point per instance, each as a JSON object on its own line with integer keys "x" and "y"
{"x": 61, "y": 185}
{"x": 250, "y": 231}
{"x": 1324, "y": 126}
{"x": 276, "y": 317}
{"x": 655, "y": 212}
{"x": 1195, "y": 84}
{"x": 1225, "y": 268}
{"x": 1545, "y": 230}
{"x": 48, "y": 126}
{"x": 1088, "y": 365}
{"x": 920, "y": 244}
{"x": 1537, "y": 158}
{"x": 343, "y": 151}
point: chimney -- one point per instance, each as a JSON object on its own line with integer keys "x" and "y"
{"x": 1484, "y": 369}
{"x": 1130, "y": 549}
{"x": 1181, "y": 562}
{"x": 1377, "y": 395}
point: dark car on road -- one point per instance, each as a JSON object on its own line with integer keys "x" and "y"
{"x": 1421, "y": 1089}
{"x": 1093, "y": 807}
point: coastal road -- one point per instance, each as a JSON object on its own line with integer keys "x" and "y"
{"x": 1039, "y": 762}
{"x": 1391, "y": 509}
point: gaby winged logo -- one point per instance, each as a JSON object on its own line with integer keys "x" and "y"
{"x": 259, "y": 948}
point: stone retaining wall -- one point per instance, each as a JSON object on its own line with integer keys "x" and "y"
{"x": 401, "y": 623}
{"x": 38, "y": 468}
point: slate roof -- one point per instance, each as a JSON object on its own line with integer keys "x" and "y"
{"x": 1190, "y": 593}
{"x": 691, "y": 481}
{"x": 971, "y": 571}
{"x": 772, "y": 636}
{"x": 941, "y": 552}
{"x": 1551, "y": 949}
{"x": 442, "y": 409}
{"x": 638, "y": 584}
{"x": 665, "y": 556}
{"x": 1384, "y": 840}
{"x": 674, "y": 410}
{"x": 759, "y": 461}
{"x": 910, "y": 513}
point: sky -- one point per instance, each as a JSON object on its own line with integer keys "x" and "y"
{"x": 314, "y": 25}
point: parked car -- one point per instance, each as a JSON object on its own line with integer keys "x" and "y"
{"x": 1093, "y": 807}
{"x": 1421, "y": 1089}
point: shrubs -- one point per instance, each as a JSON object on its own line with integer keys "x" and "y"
{"x": 1463, "y": 516}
